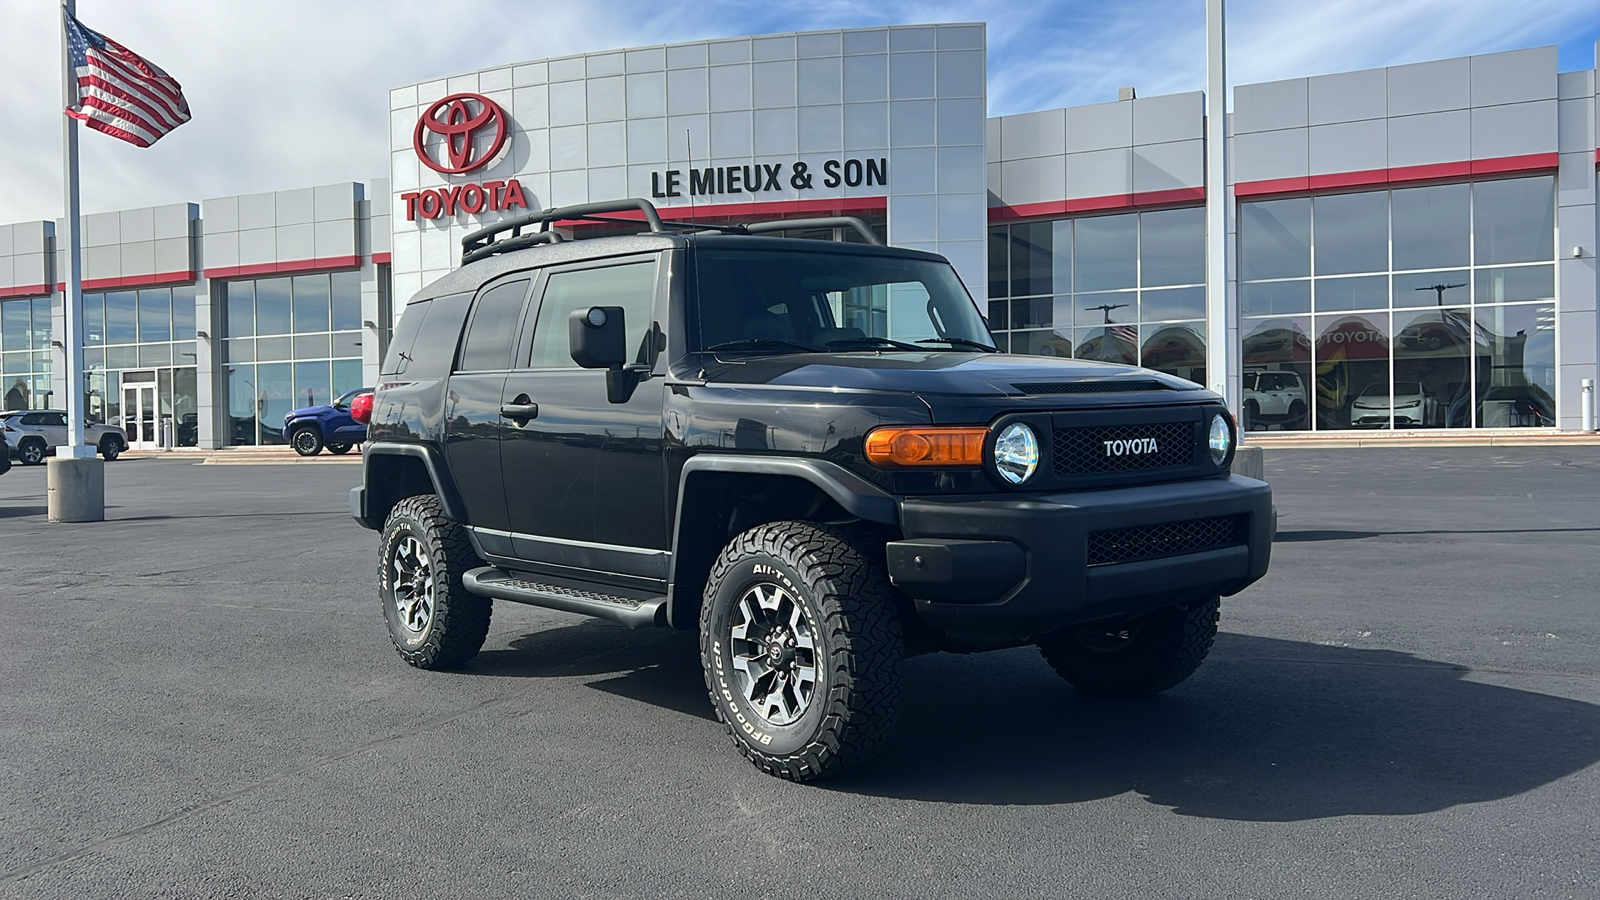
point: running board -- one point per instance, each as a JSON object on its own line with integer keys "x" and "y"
{"x": 634, "y": 612}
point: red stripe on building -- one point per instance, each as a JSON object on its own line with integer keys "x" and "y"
{"x": 292, "y": 267}
{"x": 24, "y": 290}
{"x": 380, "y": 259}
{"x": 1005, "y": 213}
{"x": 160, "y": 279}
{"x": 1448, "y": 171}
{"x": 837, "y": 206}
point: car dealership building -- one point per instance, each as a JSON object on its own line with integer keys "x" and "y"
{"x": 1410, "y": 247}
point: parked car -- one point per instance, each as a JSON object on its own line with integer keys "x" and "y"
{"x": 1274, "y": 397}
{"x": 1411, "y": 406}
{"x": 310, "y": 429}
{"x": 33, "y": 433}
{"x": 753, "y": 454}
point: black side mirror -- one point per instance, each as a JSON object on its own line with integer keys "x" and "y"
{"x": 599, "y": 340}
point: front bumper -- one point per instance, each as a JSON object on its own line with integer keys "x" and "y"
{"x": 1015, "y": 566}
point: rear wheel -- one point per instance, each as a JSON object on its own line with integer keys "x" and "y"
{"x": 432, "y": 619}
{"x": 801, "y": 645}
{"x": 31, "y": 451}
{"x": 1138, "y": 658}
{"x": 306, "y": 442}
{"x": 339, "y": 449}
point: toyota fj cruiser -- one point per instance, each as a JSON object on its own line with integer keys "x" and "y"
{"x": 810, "y": 452}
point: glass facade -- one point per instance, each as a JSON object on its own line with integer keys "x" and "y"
{"x": 25, "y": 353}
{"x": 1419, "y": 307}
{"x": 289, "y": 342}
{"x": 151, "y": 333}
{"x": 1127, "y": 288}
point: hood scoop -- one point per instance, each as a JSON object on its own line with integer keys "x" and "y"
{"x": 1090, "y": 387}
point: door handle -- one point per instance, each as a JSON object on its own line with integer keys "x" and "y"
{"x": 521, "y": 411}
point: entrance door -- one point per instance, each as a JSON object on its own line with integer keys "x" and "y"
{"x": 139, "y": 410}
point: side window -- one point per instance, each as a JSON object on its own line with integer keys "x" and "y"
{"x": 405, "y": 334}
{"x": 33, "y": 419}
{"x": 631, "y": 286}
{"x": 435, "y": 348}
{"x": 58, "y": 419}
{"x": 487, "y": 346}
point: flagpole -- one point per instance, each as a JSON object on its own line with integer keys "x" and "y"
{"x": 76, "y": 479}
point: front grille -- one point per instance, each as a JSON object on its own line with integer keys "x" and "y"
{"x": 1121, "y": 448}
{"x": 1089, "y": 387}
{"x": 1120, "y": 545}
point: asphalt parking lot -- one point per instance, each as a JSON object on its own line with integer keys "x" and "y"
{"x": 198, "y": 698}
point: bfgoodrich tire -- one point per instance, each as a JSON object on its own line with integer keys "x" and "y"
{"x": 432, "y": 620}
{"x": 801, "y": 645}
{"x": 1138, "y": 658}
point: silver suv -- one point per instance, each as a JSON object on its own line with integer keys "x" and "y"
{"x": 33, "y": 433}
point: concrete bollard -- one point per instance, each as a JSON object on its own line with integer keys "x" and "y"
{"x": 75, "y": 489}
{"x": 1249, "y": 461}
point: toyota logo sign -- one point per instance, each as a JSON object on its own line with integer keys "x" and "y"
{"x": 459, "y": 119}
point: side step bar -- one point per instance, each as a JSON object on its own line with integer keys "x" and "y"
{"x": 634, "y": 612}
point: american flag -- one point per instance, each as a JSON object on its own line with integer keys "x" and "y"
{"x": 119, "y": 92}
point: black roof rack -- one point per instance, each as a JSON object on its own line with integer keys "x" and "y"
{"x": 486, "y": 242}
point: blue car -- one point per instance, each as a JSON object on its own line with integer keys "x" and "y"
{"x": 310, "y": 429}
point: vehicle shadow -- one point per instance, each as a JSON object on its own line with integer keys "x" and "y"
{"x": 1268, "y": 730}
{"x": 15, "y": 512}
{"x": 1300, "y": 537}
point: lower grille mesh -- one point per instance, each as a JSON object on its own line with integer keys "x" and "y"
{"x": 1120, "y": 545}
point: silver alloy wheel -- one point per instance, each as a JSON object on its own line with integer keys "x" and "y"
{"x": 774, "y": 653}
{"x": 32, "y": 453}
{"x": 413, "y": 584}
{"x": 305, "y": 441}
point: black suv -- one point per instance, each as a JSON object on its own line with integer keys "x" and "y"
{"x": 809, "y": 451}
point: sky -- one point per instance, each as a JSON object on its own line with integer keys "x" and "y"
{"x": 291, "y": 93}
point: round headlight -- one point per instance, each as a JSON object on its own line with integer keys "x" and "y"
{"x": 1016, "y": 453}
{"x": 1221, "y": 439}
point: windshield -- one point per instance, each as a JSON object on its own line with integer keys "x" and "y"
{"x": 794, "y": 301}
{"x": 345, "y": 399}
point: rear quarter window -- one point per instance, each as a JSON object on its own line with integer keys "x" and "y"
{"x": 427, "y": 347}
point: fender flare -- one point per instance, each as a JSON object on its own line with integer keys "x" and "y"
{"x": 443, "y": 485}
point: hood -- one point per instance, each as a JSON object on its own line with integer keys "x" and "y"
{"x": 927, "y": 374}
{"x": 307, "y": 411}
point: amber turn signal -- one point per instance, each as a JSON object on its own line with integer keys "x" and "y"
{"x": 924, "y": 446}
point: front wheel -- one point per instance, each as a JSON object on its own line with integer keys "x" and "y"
{"x": 306, "y": 442}
{"x": 801, "y": 645}
{"x": 1138, "y": 658}
{"x": 31, "y": 452}
{"x": 432, "y": 619}
{"x": 110, "y": 449}
{"x": 339, "y": 449}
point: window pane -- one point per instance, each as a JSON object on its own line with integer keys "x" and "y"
{"x": 41, "y": 323}
{"x": 185, "y": 407}
{"x": 998, "y": 316}
{"x": 183, "y": 353}
{"x": 17, "y": 362}
{"x": 1514, "y": 221}
{"x": 241, "y": 405}
{"x": 1431, "y": 289}
{"x": 1032, "y": 313}
{"x": 311, "y": 384}
{"x": 1172, "y": 246}
{"x": 155, "y": 355}
{"x": 272, "y": 306}
{"x": 1516, "y": 366}
{"x": 1430, "y": 227}
{"x": 347, "y": 343}
{"x": 122, "y": 357}
{"x": 1176, "y": 349}
{"x": 1352, "y": 361}
{"x": 999, "y": 263}
{"x": 274, "y": 348}
{"x": 183, "y": 317}
{"x": 487, "y": 347}
{"x": 93, "y": 358}
{"x": 311, "y": 303}
{"x": 630, "y": 286}
{"x": 239, "y": 350}
{"x": 1172, "y": 303}
{"x": 94, "y": 318}
{"x": 1061, "y": 259}
{"x": 1352, "y": 232}
{"x": 346, "y": 376}
{"x": 1041, "y": 343}
{"x": 1119, "y": 344}
{"x": 1105, "y": 309}
{"x": 1275, "y": 238}
{"x": 311, "y": 346}
{"x": 346, "y": 301}
{"x": 1032, "y": 255}
{"x": 1061, "y": 315}
{"x": 155, "y": 315}
{"x": 1277, "y": 374}
{"x": 1520, "y": 283}
{"x": 1433, "y": 368}
{"x": 122, "y": 317}
{"x": 1275, "y": 298}
{"x": 240, "y": 309}
{"x": 1106, "y": 249}
{"x": 15, "y": 325}
{"x": 275, "y": 397}
{"x": 1362, "y": 292}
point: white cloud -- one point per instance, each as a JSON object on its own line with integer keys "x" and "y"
{"x": 294, "y": 92}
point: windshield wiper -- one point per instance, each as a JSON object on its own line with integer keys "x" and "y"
{"x": 960, "y": 342}
{"x": 759, "y": 343}
{"x": 873, "y": 341}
